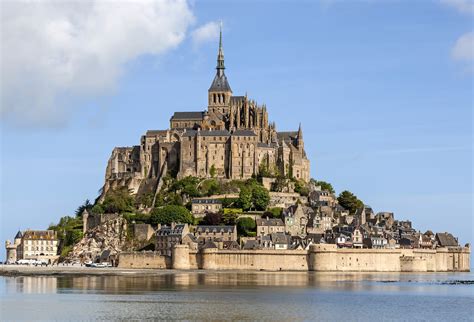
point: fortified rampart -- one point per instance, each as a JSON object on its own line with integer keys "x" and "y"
{"x": 321, "y": 257}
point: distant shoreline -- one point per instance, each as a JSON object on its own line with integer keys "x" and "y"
{"x": 18, "y": 271}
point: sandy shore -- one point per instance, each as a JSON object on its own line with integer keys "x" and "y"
{"x": 24, "y": 270}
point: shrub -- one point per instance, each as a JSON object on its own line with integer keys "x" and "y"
{"x": 169, "y": 214}
{"x": 246, "y": 225}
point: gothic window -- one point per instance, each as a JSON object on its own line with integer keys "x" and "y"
{"x": 214, "y": 98}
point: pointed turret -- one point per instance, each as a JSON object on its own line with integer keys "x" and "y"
{"x": 300, "y": 138}
{"x": 220, "y": 92}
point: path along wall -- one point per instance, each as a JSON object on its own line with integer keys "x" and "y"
{"x": 322, "y": 257}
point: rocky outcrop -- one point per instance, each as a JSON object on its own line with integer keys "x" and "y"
{"x": 103, "y": 242}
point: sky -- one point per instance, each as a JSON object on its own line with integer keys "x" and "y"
{"x": 383, "y": 90}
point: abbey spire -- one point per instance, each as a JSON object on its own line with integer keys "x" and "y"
{"x": 220, "y": 92}
{"x": 220, "y": 55}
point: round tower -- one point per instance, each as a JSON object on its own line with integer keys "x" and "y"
{"x": 180, "y": 257}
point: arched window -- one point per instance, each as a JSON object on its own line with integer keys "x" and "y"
{"x": 214, "y": 95}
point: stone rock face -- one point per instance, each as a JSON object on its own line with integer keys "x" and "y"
{"x": 101, "y": 243}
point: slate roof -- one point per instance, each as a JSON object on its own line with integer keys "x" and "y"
{"x": 18, "y": 235}
{"x": 214, "y": 133}
{"x": 244, "y": 133}
{"x": 220, "y": 83}
{"x": 287, "y": 136}
{"x": 270, "y": 222}
{"x": 40, "y": 234}
{"x": 237, "y": 98}
{"x": 230, "y": 244}
{"x": 207, "y": 201}
{"x": 187, "y": 116}
{"x": 211, "y": 229}
{"x": 279, "y": 238}
{"x": 265, "y": 145}
{"x": 251, "y": 244}
{"x": 168, "y": 231}
{"x": 155, "y": 132}
{"x": 446, "y": 240}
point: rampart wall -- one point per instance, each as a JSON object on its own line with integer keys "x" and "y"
{"x": 321, "y": 257}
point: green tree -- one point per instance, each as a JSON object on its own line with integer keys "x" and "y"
{"x": 280, "y": 184}
{"x": 229, "y": 218}
{"x": 212, "y": 218}
{"x": 275, "y": 212}
{"x": 301, "y": 187}
{"x": 326, "y": 186}
{"x": 212, "y": 171}
{"x": 85, "y": 206}
{"x": 98, "y": 209}
{"x": 245, "y": 198}
{"x": 349, "y": 201}
{"x": 246, "y": 225}
{"x": 169, "y": 214}
{"x": 260, "y": 197}
{"x": 118, "y": 201}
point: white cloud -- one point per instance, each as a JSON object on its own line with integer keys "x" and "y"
{"x": 464, "y": 48}
{"x": 52, "y": 50}
{"x": 463, "y": 6}
{"x": 205, "y": 33}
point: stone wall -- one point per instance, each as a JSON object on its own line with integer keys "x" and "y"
{"x": 321, "y": 257}
{"x": 143, "y": 260}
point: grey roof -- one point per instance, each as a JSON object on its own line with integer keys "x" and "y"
{"x": 189, "y": 132}
{"x": 187, "y": 116}
{"x": 18, "y": 235}
{"x": 287, "y": 136}
{"x": 214, "y": 132}
{"x": 225, "y": 229}
{"x": 237, "y": 98}
{"x": 155, "y": 132}
{"x": 279, "y": 238}
{"x": 209, "y": 244}
{"x": 207, "y": 201}
{"x": 251, "y": 244}
{"x": 265, "y": 145}
{"x": 270, "y": 222}
{"x": 220, "y": 84}
{"x": 167, "y": 230}
{"x": 244, "y": 133}
{"x": 446, "y": 239}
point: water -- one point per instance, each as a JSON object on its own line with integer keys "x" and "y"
{"x": 239, "y": 296}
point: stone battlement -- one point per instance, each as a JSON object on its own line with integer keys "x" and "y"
{"x": 320, "y": 257}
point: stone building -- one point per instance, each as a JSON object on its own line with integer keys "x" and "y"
{"x": 215, "y": 233}
{"x": 201, "y": 206}
{"x": 168, "y": 236}
{"x": 33, "y": 244}
{"x": 266, "y": 226}
{"x": 232, "y": 139}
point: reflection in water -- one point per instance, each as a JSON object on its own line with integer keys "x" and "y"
{"x": 236, "y": 295}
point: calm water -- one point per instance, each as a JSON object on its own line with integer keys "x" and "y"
{"x": 239, "y": 296}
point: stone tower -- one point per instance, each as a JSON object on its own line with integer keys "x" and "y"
{"x": 219, "y": 93}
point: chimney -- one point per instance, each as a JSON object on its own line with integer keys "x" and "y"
{"x": 173, "y": 225}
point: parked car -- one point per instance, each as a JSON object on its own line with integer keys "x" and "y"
{"x": 104, "y": 264}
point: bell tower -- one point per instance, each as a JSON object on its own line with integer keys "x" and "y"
{"x": 220, "y": 92}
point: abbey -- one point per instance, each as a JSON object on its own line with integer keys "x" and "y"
{"x": 233, "y": 139}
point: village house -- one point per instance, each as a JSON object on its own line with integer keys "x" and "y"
{"x": 215, "y": 233}
{"x": 168, "y": 236}
{"x": 201, "y": 206}
{"x": 296, "y": 218}
{"x": 267, "y": 226}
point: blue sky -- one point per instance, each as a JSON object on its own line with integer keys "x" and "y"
{"x": 383, "y": 89}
